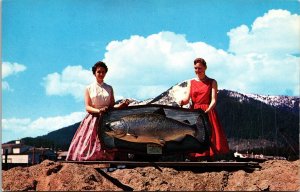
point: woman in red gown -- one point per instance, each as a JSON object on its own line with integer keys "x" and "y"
{"x": 202, "y": 90}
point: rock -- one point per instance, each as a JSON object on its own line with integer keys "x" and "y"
{"x": 280, "y": 175}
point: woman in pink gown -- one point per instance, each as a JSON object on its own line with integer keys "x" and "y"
{"x": 99, "y": 97}
{"x": 202, "y": 90}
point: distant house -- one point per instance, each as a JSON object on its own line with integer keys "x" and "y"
{"x": 20, "y": 154}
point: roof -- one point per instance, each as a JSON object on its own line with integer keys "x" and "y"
{"x": 13, "y": 145}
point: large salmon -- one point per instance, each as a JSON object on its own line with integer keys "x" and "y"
{"x": 153, "y": 128}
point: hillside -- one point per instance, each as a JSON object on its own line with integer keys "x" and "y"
{"x": 59, "y": 139}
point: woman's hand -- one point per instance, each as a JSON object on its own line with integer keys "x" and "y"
{"x": 124, "y": 103}
{"x": 207, "y": 110}
{"x": 103, "y": 109}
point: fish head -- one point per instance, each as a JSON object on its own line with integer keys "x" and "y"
{"x": 116, "y": 128}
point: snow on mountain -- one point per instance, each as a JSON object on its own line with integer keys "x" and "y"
{"x": 277, "y": 101}
{"x": 287, "y": 102}
{"x": 172, "y": 96}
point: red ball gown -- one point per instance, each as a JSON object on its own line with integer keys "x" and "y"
{"x": 201, "y": 96}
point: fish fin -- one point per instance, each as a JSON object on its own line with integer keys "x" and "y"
{"x": 187, "y": 121}
{"x": 160, "y": 111}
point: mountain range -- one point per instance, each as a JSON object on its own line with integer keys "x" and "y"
{"x": 258, "y": 123}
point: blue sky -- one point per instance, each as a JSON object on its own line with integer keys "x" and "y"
{"x": 49, "y": 47}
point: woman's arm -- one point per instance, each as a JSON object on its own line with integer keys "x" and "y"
{"x": 89, "y": 106}
{"x": 214, "y": 92}
{"x": 187, "y": 96}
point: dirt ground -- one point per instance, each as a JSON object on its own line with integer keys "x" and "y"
{"x": 274, "y": 175}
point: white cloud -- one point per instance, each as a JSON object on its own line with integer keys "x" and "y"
{"x": 155, "y": 62}
{"x": 53, "y": 123}
{"x": 276, "y": 33}
{"x": 71, "y": 81}
{"x": 165, "y": 51}
{"x": 9, "y": 69}
{"x": 257, "y": 59}
{"x": 15, "y": 123}
{"x": 26, "y": 127}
